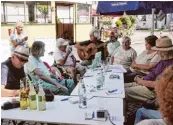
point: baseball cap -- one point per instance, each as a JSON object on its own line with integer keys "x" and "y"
{"x": 61, "y": 41}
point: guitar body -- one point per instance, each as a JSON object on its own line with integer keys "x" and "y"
{"x": 87, "y": 51}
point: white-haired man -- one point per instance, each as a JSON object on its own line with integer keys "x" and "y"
{"x": 64, "y": 57}
{"x": 125, "y": 54}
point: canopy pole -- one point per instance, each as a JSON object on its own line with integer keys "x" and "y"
{"x": 152, "y": 28}
{"x": 25, "y": 12}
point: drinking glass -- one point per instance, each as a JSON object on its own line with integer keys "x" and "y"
{"x": 108, "y": 60}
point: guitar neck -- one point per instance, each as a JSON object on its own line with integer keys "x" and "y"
{"x": 101, "y": 45}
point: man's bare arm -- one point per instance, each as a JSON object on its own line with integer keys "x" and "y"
{"x": 8, "y": 92}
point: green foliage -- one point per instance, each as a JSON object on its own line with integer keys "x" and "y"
{"x": 43, "y": 9}
{"x": 133, "y": 19}
{"x": 58, "y": 20}
{"x": 119, "y": 23}
{"x": 126, "y": 23}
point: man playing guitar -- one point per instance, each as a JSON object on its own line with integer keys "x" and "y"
{"x": 94, "y": 41}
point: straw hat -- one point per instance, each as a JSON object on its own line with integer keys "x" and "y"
{"x": 163, "y": 44}
{"x": 22, "y": 52}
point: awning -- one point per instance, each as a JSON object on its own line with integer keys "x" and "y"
{"x": 118, "y": 6}
{"x": 133, "y": 7}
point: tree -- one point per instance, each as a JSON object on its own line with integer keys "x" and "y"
{"x": 43, "y": 9}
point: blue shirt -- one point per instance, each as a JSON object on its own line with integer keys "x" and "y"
{"x": 34, "y": 63}
{"x": 17, "y": 38}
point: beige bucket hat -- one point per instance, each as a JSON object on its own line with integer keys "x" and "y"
{"x": 163, "y": 44}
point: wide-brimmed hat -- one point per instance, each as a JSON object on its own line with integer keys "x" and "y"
{"x": 22, "y": 52}
{"x": 61, "y": 42}
{"x": 163, "y": 44}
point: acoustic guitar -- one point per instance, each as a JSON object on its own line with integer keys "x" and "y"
{"x": 85, "y": 52}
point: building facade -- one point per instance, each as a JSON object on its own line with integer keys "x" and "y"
{"x": 48, "y": 19}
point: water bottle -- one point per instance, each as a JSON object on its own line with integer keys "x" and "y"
{"x": 82, "y": 95}
{"x": 41, "y": 99}
{"x": 102, "y": 78}
{"x": 32, "y": 98}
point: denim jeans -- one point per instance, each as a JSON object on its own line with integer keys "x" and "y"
{"x": 143, "y": 113}
{"x": 58, "y": 91}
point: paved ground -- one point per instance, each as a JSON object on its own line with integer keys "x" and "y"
{"x": 138, "y": 39}
{"x": 138, "y": 43}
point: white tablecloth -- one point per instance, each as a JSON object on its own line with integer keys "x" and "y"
{"x": 110, "y": 84}
{"x": 64, "y": 112}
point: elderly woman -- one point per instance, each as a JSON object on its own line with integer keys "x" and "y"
{"x": 17, "y": 37}
{"x": 36, "y": 68}
{"x": 164, "y": 91}
{"x": 143, "y": 89}
{"x": 144, "y": 62}
{"x": 94, "y": 38}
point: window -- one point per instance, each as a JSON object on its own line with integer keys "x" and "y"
{"x": 39, "y": 12}
{"x": 83, "y": 13}
{"x": 12, "y": 12}
{"x": 65, "y": 14}
{"x": 36, "y": 12}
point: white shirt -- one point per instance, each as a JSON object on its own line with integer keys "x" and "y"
{"x": 148, "y": 59}
{"x": 124, "y": 57}
{"x": 17, "y": 38}
{"x": 113, "y": 47}
{"x": 58, "y": 54}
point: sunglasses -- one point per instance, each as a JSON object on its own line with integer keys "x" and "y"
{"x": 21, "y": 59}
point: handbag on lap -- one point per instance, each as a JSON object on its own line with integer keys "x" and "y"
{"x": 151, "y": 104}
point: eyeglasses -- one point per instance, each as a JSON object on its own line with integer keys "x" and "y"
{"x": 21, "y": 59}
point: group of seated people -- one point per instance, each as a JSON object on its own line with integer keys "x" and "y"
{"x": 22, "y": 63}
{"x": 145, "y": 78}
{"x": 148, "y": 77}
